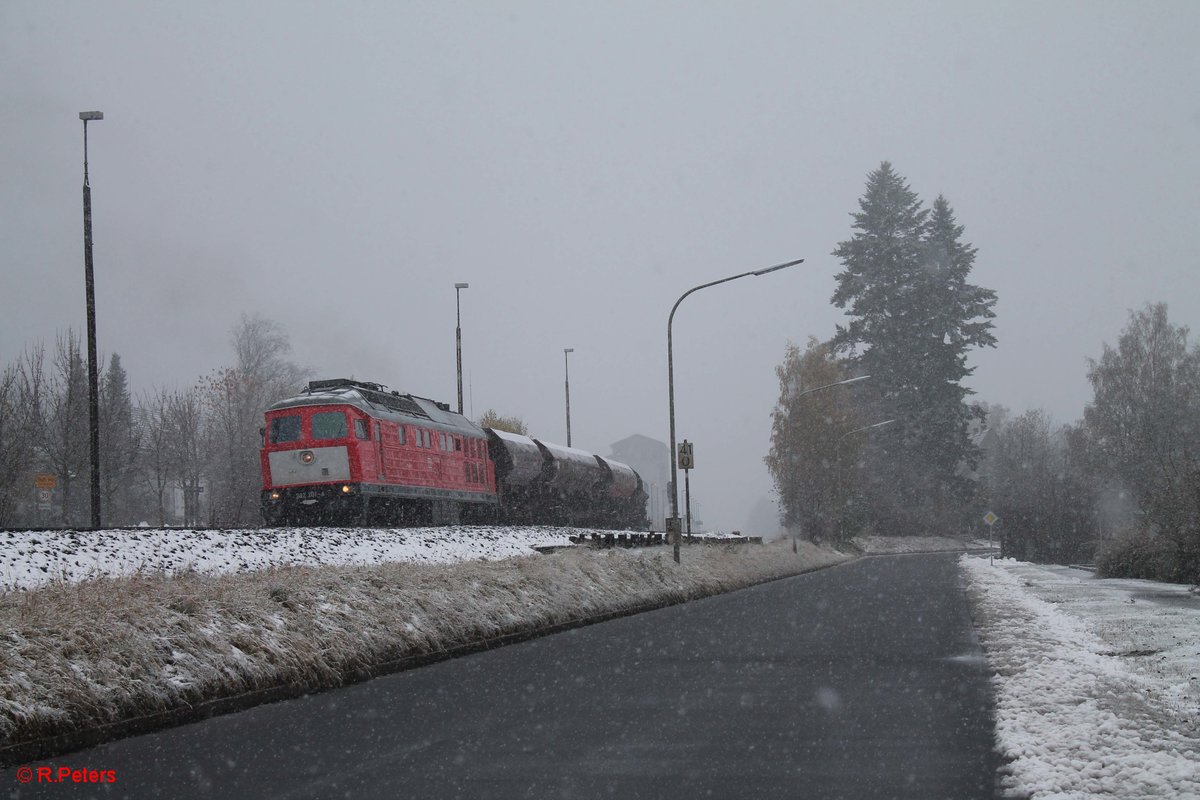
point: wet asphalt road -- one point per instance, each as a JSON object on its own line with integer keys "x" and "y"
{"x": 860, "y": 681}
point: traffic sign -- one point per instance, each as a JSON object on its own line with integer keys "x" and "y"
{"x": 45, "y": 480}
{"x": 990, "y": 518}
{"x": 686, "y": 461}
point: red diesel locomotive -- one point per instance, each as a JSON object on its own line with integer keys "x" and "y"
{"x": 351, "y": 452}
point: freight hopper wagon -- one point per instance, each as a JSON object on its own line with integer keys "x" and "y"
{"x": 543, "y": 483}
{"x": 351, "y": 452}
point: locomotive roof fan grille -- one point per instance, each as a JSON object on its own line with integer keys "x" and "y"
{"x": 375, "y": 393}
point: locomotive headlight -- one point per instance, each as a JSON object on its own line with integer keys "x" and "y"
{"x": 307, "y": 457}
{"x": 346, "y": 489}
{"x": 275, "y": 495}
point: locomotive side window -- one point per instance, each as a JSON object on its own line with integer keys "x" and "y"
{"x": 360, "y": 429}
{"x": 285, "y": 429}
{"x": 329, "y": 425}
{"x": 400, "y": 433}
{"x": 457, "y": 444}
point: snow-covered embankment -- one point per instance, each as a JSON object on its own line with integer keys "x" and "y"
{"x": 78, "y": 655}
{"x": 1096, "y": 681}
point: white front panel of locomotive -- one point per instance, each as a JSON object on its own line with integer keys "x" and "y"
{"x": 315, "y": 465}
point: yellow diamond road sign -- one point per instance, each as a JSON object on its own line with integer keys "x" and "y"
{"x": 990, "y": 518}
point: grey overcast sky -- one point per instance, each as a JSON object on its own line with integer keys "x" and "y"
{"x": 337, "y": 167}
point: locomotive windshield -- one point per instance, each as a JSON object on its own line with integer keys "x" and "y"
{"x": 285, "y": 429}
{"x": 329, "y": 425}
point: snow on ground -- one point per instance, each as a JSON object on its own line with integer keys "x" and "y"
{"x": 78, "y": 654}
{"x": 32, "y": 559}
{"x": 1097, "y": 688}
{"x": 894, "y": 545}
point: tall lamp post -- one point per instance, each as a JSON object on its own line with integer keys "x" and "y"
{"x": 90, "y": 286}
{"x": 838, "y": 446}
{"x": 798, "y": 395}
{"x": 458, "y": 287}
{"x": 830, "y": 386}
{"x": 567, "y": 375}
{"x": 674, "y": 529}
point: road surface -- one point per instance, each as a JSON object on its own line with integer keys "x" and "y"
{"x": 858, "y": 681}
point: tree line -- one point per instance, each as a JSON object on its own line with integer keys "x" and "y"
{"x": 904, "y": 450}
{"x": 162, "y": 444}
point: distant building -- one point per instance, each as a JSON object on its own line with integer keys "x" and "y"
{"x": 652, "y": 460}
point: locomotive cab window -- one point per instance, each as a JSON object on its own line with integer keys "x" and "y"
{"x": 285, "y": 429}
{"x": 329, "y": 425}
{"x": 360, "y": 429}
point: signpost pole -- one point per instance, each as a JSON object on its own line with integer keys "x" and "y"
{"x": 990, "y": 519}
{"x": 686, "y": 462}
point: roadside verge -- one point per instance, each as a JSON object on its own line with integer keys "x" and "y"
{"x": 94, "y": 661}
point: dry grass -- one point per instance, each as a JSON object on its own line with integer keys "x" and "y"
{"x": 76, "y": 656}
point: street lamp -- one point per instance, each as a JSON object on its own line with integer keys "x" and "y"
{"x": 797, "y": 396}
{"x": 458, "y": 287}
{"x": 829, "y": 386}
{"x": 90, "y": 288}
{"x": 567, "y": 374}
{"x": 674, "y": 529}
{"x": 838, "y": 446}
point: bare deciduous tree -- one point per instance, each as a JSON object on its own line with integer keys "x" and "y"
{"x": 234, "y": 401}
{"x": 1144, "y": 425}
{"x": 185, "y": 414}
{"x": 155, "y": 464}
{"x": 65, "y": 444}
{"x": 21, "y": 387}
{"x": 1035, "y": 475}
